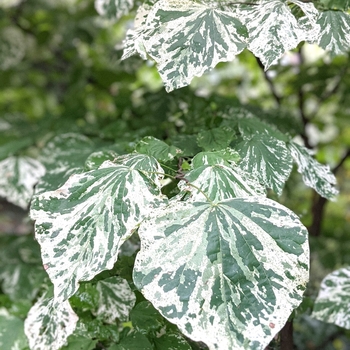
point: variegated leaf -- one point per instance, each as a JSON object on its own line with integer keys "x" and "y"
{"x": 113, "y": 8}
{"x": 273, "y": 29}
{"x": 82, "y": 225}
{"x": 227, "y": 274}
{"x": 116, "y": 299}
{"x": 267, "y": 159}
{"x": 18, "y": 176}
{"x": 315, "y": 175}
{"x": 225, "y": 156}
{"x": 219, "y": 182}
{"x": 335, "y": 32}
{"x": 63, "y": 156}
{"x": 186, "y": 39}
{"x": 333, "y": 301}
{"x": 49, "y": 324}
{"x": 133, "y": 43}
{"x": 12, "y": 336}
{"x": 21, "y": 273}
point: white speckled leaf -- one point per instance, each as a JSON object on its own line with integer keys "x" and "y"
{"x": 220, "y": 182}
{"x": 113, "y": 8}
{"x": 81, "y": 225}
{"x": 49, "y": 324}
{"x": 266, "y": 158}
{"x": 227, "y": 274}
{"x": 133, "y": 43}
{"x": 273, "y": 29}
{"x": 315, "y": 175}
{"x": 116, "y": 299}
{"x": 63, "y": 156}
{"x": 335, "y": 32}
{"x": 187, "y": 39}
{"x": 333, "y": 301}
{"x": 18, "y": 176}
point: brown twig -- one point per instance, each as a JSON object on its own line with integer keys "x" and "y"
{"x": 319, "y": 203}
{"x": 286, "y": 336}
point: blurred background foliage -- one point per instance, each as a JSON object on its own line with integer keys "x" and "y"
{"x": 60, "y": 71}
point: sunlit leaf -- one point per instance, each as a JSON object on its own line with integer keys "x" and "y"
{"x": 315, "y": 175}
{"x": 227, "y": 274}
{"x": 333, "y": 301}
{"x": 18, "y": 175}
{"x": 116, "y": 299}
{"x": 267, "y": 159}
{"x": 186, "y": 39}
{"x": 82, "y": 225}
{"x": 335, "y": 32}
{"x": 49, "y": 324}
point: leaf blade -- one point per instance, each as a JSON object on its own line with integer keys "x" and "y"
{"x": 227, "y": 275}
{"x": 82, "y": 225}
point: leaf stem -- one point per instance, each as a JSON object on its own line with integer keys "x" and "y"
{"x": 175, "y": 178}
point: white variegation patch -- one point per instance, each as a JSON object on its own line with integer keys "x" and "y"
{"x": 220, "y": 182}
{"x": 113, "y": 8}
{"x": 18, "y": 176}
{"x": 133, "y": 43}
{"x": 63, "y": 156}
{"x": 315, "y": 175}
{"x": 228, "y": 274}
{"x": 333, "y": 301}
{"x": 49, "y": 324}
{"x": 335, "y": 32}
{"x": 273, "y": 29}
{"x": 82, "y": 225}
{"x": 116, "y": 299}
{"x": 267, "y": 159}
{"x": 186, "y": 39}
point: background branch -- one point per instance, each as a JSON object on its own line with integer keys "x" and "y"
{"x": 270, "y": 83}
{"x": 319, "y": 203}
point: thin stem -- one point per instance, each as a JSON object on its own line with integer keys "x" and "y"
{"x": 286, "y": 336}
{"x": 175, "y": 178}
{"x": 319, "y": 203}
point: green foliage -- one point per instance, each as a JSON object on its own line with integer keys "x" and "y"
{"x": 162, "y": 220}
